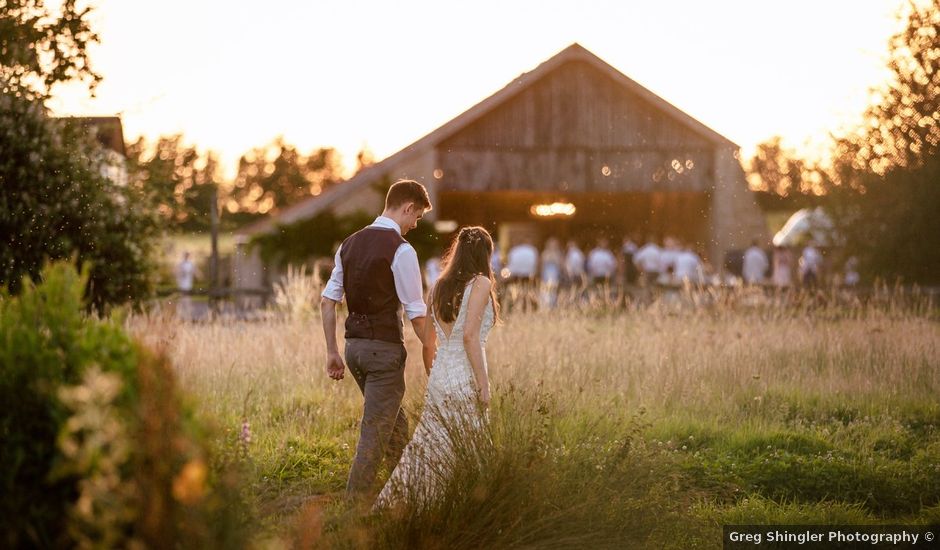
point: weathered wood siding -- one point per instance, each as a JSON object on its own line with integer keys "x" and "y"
{"x": 576, "y": 130}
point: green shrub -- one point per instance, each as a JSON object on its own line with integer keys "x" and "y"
{"x": 45, "y": 343}
{"x": 98, "y": 447}
{"x": 55, "y": 204}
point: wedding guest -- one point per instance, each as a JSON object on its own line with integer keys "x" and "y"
{"x": 667, "y": 261}
{"x": 755, "y": 264}
{"x": 522, "y": 263}
{"x": 432, "y": 270}
{"x": 496, "y": 263}
{"x": 574, "y": 265}
{"x": 185, "y": 274}
{"x": 782, "y": 267}
{"x": 850, "y": 275}
{"x": 601, "y": 263}
{"x": 810, "y": 265}
{"x": 552, "y": 265}
{"x": 688, "y": 266}
{"x": 647, "y": 261}
{"x": 627, "y": 249}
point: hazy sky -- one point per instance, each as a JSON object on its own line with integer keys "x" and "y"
{"x": 231, "y": 75}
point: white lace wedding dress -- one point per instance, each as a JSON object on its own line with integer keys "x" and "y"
{"x": 451, "y": 410}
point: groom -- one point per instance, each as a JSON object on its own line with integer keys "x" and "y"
{"x": 379, "y": 273}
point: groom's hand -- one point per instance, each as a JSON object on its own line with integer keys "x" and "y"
{"x": 335, "y": 366}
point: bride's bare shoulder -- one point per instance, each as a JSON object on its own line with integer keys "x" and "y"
{"x": 482, "y": 283}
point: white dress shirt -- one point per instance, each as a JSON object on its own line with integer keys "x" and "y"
{"x": 601, "y": 263}
{"x": 523, "y": 260}
{"x": 688, "y": 266}
{"x": 185, "y": 273}
{"x": 811, "y": 260}
{"x": 755, "y": 265}
{"x": 405, "y": 269}
{"x": 647, "y": 258}
{"x": 574, "y": 262}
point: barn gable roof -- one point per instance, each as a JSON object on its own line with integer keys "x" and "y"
{"x": 575, "y": 52}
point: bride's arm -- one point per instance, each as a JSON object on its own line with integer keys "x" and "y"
{"x": 479, "y": 299}
{"x": 429, "y": 347}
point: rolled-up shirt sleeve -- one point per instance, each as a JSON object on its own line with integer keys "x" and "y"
{"x": 408, "y": 284}
{"x": 334, "y": 287}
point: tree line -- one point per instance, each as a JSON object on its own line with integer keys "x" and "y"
{"x": 882, "y": 184}
{"x": 182, "y": 181}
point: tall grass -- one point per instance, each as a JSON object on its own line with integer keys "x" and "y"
{"x": 609, "y": 424}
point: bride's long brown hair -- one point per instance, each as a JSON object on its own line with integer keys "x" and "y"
{"x": 468, "y": 256}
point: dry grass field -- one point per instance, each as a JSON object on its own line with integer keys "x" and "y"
{"x": 653, "y": 425}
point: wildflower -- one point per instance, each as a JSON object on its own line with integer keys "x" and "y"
{"x": 244, "y": 438}
{"x": 245, "y": 435}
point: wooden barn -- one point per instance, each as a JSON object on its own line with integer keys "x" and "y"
{"x": 574, "y": 149}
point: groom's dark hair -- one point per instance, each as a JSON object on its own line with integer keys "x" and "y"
{"x": 404, "y": 191}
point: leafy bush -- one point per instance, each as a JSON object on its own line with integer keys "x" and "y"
{"x": 98, "y": 448}
{"x": 55, "y": 203}
{"x": 46, "y": 344}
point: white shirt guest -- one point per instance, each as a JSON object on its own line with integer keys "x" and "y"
{"x": 523, "y": 261}
{"x": 688, "y": 267}
{"x": 810, "y": 261}
{"x": 755, "y": 265}
{"x": 667, "y": 260}
{"x": 601, "y": 263}
{"x": 432, "y": 270}
{"x": 647, "y": 258}
{"x": 574, "y": 261}
{"x": 185, "y": 273}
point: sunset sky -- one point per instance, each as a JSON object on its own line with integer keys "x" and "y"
{"x": 233, "y": 75}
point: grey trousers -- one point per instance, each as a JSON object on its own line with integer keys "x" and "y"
{"x": 379, "y": 370}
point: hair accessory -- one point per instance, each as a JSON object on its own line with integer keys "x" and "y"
{"x": 470, "y": 236}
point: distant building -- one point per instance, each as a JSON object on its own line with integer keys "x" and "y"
{"x": 573, "y": 149}
{"x": 109, "y": 132}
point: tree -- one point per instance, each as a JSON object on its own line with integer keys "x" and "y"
{"x": 892, "y": 227}
{"x": 278, "y": 175}
{"x": 364, "y": 159}
{"x": 884, "y": 188}
{"x": 901, "y": 127}
{"x": 180, "y": 182}
{"x": 39, "y": 48}
{"x": 55, "y": 203}
{"x": 775, "y": 169}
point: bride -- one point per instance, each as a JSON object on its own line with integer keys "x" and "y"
{"x": 463, "y": 309}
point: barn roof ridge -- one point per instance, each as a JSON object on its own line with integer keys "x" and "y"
{"x": 573, "y": 52}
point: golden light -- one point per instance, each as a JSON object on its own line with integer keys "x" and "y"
{"x": 438, "y": 173}
{"x": 446, "y": 226}
{"x": 553, "y": 209}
